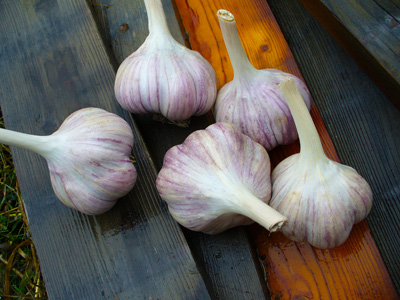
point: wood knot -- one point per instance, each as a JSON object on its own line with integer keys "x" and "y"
{"x": 124, "y": 28}
{"x": 264, "y": 48}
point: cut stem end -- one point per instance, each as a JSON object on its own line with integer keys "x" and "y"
{"x": 277, "y": 226}
{"x": 225, "y": 15}
{"x": 261, "y": 212}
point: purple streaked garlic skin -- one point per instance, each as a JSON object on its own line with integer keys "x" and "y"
{"x": 94, "y": 168}
{"x": 321, "y": 209}
{"x": 252, "y": 100}
{"x": 321, "y": 198}
{"x": 258, "y": 108}
{"x": 88, "y": 158}
{"x": 217, "y": 179}
{"x": 163, "y": 76}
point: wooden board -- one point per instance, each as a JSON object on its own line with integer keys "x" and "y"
{"x": 363, "y": 123}
{"x": 294, "y": 270}
{"x": 53, "y": 62}
{"x": 370, "y": 31}
{"x": 228, "y": 261}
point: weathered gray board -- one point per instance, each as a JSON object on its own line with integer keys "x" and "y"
{"x": 363, "y": 123}
{"x": 53, "y": 62}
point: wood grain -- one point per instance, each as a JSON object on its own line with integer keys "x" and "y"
{"x": 295, "y": 270}
{"x": 369, "y": 31}
{"x": 53, "y": 62}
{"x": 363, "y": 123}
{"x": 228, "y": 261}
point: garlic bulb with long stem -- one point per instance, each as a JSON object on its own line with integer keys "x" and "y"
{"x": 163, "y": 76}
{"x": 88, "y": 158}
{"x": 216, "y": 179}
{"x": 321, "y": 198}
{"x": 252, "y": 100}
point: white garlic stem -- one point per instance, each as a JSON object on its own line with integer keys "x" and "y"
{"x": 156, "y": 17}
{"x": 258, "y": 211}
{"x": 239, "y": 60}
{"x": 35, "y": 143}
{"x": 311, "y": 150}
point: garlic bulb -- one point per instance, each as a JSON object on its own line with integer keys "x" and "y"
{"x": 163, "y": 76}
{"x": 321, "y": 198}
{"x": 217, "y": 179}
{"x": 252, "y": 100}
{"x": 88, "y": 158}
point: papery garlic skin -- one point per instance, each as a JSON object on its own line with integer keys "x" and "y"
{"x": 218, "y": 179}
{"x": 256, "y": 106}
{"x": 165, "y": 77}
{"x": 321, "y": 209}
{"x": 321, "y": 198}
{"x": 252, "y": 100}
{"x": 88, "y": 158}
{"x": 89, "y": 164}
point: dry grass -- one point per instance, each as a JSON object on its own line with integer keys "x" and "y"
{"x": 20, "y": 276}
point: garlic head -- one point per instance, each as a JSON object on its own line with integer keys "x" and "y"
{"x": 90, "y": 166}
{"x": 321, "y": 198}
{"x": 252, "y": 100}
{"x": 163, "y": 76}
{"x": 217, "y": 179}
{"x": 88, "y": 158}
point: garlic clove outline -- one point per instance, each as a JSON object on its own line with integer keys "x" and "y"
{"x": 163, "y": 76}
{"x": 88, "y": 158}
{"x": 252, "y": 100}
{"x": 321, "y": 198}
{"x": 218, "y": 178}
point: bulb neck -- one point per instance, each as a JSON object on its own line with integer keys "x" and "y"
{"x": 241, "y": 64}
{"x": 156, "y": 18}
{"x": 35, "y": 143}
{"x": 311, "y": 149}
{"x": 259, "y": 211}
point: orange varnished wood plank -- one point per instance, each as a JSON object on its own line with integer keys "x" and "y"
{"x": 354, "y": 270}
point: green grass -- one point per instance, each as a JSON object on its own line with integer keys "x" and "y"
{"x": 20, "y": 276}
